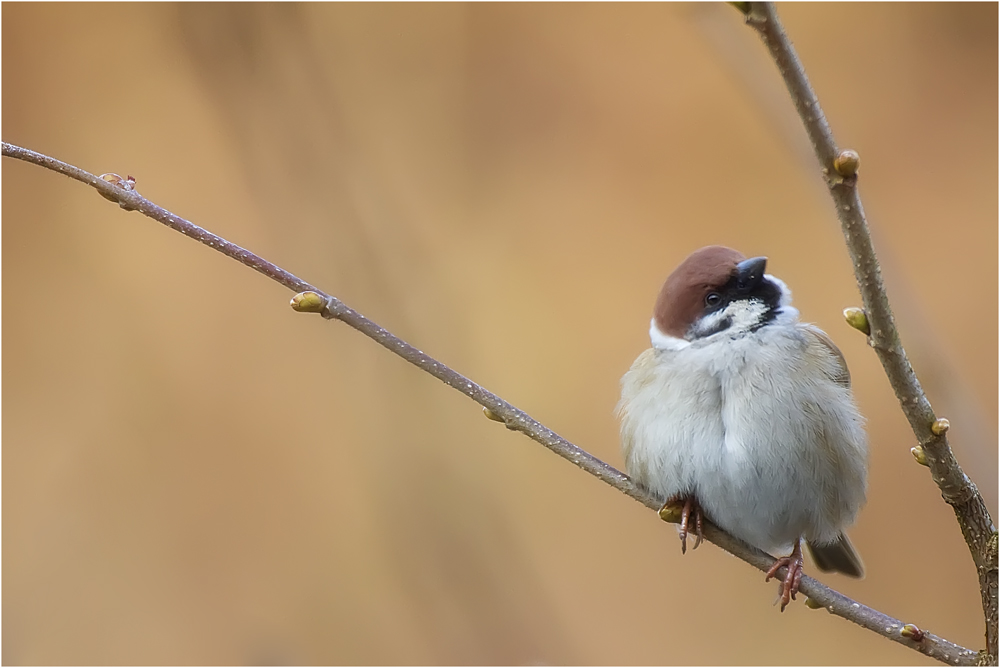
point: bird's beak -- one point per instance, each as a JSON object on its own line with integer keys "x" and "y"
{"x": 749, "y": 273}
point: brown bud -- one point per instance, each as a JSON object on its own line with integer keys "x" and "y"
{"x": 857, "y": 319}
{"x": 491, "y": 415}
{"x": 308, "y": 302}
{"x": 671, "y": 512}
{"x": 912, "y": 632}
{"x": 940, "y": 426}
{"x": 847, "y": 162}
{"x": 127, "y": 184}
{"x": 918, "y": 454}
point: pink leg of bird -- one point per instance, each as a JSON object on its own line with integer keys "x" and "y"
{"x": 691, "y": 517}
{"x": 790, "y": 586}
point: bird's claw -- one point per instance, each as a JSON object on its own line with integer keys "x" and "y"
{"x": 793, "y": 577}
{"x": 691, "y": 517}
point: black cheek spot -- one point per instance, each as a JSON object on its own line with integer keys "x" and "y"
{"x": 720, "y": 326}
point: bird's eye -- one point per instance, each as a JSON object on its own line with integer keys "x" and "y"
{"x": 712, "y": 299}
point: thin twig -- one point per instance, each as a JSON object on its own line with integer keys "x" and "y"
{"x": 957, "y": 489}
{"x": 514, "y": 418}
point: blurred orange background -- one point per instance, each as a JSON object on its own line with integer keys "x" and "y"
{"x": 194, "y": 473}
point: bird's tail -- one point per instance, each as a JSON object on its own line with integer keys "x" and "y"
{"x": 837, "y": 557}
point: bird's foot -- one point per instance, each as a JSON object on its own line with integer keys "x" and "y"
{"x": 691, "y": 517}
{"x": 790, "y": 585}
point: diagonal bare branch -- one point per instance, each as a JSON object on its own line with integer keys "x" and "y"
{"x": 514, "y": 418}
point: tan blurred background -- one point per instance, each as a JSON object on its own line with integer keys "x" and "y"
{"x": 193, "y": 473}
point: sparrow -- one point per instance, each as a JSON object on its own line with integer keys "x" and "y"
{"x": 742, "y": 415}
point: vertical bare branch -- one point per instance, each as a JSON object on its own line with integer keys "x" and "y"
{"x": 840, "y": 172}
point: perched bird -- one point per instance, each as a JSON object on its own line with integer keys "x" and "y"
{"x": 743, "y": 414}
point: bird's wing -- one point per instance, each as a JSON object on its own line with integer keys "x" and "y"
{"x": 823, "y": 345}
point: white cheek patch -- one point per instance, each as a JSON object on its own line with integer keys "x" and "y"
{"x": 663, "y": 341}
{"x": 786, "y": 294}
{"x": 785, "y": 313}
